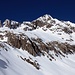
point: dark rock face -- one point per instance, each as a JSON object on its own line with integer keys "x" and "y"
{"x": 1, "y": 37}
{"x": 22, "y": 41}
{"x": 15, "y": 26}
{"x": 41, "y": 24}
{"x": 34, "y": 63}
{"x": 67, "y": 30}
{"x": 49, "y": 25}
{"x": 62, "y": 47}
{"x": 29, "y": 27}
{"x": 37, "y": 47}
{"x": 38, "y": 23}
{"x": 40, "y": 44}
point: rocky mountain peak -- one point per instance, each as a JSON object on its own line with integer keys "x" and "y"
{"x": 39, "y": 46}
{"x": 46, "y": 17}
{"x": 42, "y": 21}
{"x": 7, "y": 23}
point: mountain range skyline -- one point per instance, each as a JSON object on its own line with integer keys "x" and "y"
{"x": 28, "y": 10}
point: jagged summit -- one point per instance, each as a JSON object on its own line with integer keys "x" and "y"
{"x": 45, "y": 20}
{"x": 45, "y": 17}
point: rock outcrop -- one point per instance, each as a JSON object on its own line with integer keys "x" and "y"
{"x": 37, "y": 47}
{"x": 22, "y": 41}
{"x": 7, "y": 23}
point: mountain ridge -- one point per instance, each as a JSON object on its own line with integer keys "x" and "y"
{"x": 32, "y": 43}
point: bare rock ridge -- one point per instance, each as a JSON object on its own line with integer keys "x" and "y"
{"x": 40, "y": 22}
{"x": 10, "y": 24}
{"x": 36, "y": 46}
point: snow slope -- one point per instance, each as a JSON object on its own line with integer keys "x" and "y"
{"x": 12, "y": 64}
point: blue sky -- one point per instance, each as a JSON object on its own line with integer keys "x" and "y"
{"x": 28, "y": 10}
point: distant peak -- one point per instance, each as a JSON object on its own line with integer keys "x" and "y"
{"x": 6, "y": 21}
{"x": 45, "y": 17}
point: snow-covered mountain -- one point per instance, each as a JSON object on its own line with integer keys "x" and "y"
{"x": 45, "y": 46}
